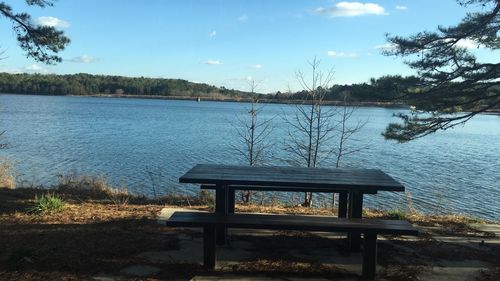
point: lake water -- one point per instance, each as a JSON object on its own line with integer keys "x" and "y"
{"x": 142, "y": 143}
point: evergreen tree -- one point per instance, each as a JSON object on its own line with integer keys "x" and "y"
{"x": 41, "y": 43}
{"x": 455, "y": 85}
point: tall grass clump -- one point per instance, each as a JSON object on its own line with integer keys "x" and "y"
{"x": 95, "y": 187}
{"x": 7, "y": 178}
{"x": 47, "y": 203}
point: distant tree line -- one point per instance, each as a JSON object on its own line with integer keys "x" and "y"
{"x": 383, "y": 89}
{"x": 86, "y": 84}
{"x": 387, "y": 88}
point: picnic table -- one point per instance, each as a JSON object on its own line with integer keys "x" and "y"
{"x": 351, "y": 184}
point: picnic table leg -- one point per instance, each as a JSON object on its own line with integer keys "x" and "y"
{"x": 355, "y": 211}
{"x": 209, "y": 255}
{"x": 370, "y": 256}
{"x": 342, "y": 204}
{"x": 221, "y": 207}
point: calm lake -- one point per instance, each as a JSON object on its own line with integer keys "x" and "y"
{"x": 141, "y": 143}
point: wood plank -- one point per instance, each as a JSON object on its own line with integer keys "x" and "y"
{"x": 291, "y": 222}
{"x": 289, "y": 188}
{"x": 333, "y": 179}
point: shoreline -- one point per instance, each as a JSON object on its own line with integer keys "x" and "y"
{"x": 248, "y": 100}
{"x": 228, "y": 99}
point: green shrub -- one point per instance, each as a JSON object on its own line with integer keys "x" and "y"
{"x": 396, "y": 215}
{"x": 47, "y": 203}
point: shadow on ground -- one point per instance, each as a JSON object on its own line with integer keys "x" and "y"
{"x": 105, "y": 241}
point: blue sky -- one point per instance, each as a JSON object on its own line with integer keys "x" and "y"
{"x": 228, "y": 42}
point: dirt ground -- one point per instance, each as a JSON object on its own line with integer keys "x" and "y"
{"x": 96, "y": 238}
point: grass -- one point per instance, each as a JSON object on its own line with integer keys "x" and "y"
{"x": 7, "y": 178}
{"x": 396, "y": 215}
{"x": 47, "y": 203}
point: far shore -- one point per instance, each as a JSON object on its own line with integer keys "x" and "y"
{"x": 397, "y": 105}
{"x": 248, "y": 100}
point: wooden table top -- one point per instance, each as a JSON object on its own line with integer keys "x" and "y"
{"x": 369, "y": 180}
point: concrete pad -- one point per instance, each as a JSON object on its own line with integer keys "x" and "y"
{"x": 235, "y": 253}
{"x": 191, "y": 251}
{"x": 489, "y": 227}
{"x": 140, "y": 270}
{"x": 166, "y": 213}
{"x": 331, "y": 256}
{"x": 253, "y": 232}
{"x": 477, "y": 243}
{"x": 157, "y": 256}
{"x": 456, "y": 271}
{"x": 257, "y": 278}
{"x": 106, "y": 278}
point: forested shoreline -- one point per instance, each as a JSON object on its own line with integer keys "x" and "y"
{"x": 386, "y": 89}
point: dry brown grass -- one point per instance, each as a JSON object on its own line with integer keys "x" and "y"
{"x": 83, "y": 240}
{"x": 7, "y": 178}
{"x": 280, "y": 209}
{"x": 452, "y": 224}
{"x": 94, "y": 235}
{"x": 92, "y": 187}
{"x": 282, "y": 267}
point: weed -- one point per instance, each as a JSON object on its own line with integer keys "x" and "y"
{"x": 119, "y": 197}
{"x": 205, "y": 197}
{"x": 93, "y": 187}
{"x": 396, "y": 215}
{"x": 47, "y": 203}
{"x": 7, "y": 178}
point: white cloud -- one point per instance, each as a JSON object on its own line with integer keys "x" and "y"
{"x": 243, "y": 18}
{"x": 83, "y": 59}
{"x": 468, "y": 44}
{"x": 35, "y": 68}
{"x": 212, "y": 34}
{"x": 52, "y": 22}
{"x": 11, "y": 70}
{"x": 398, "y": 7}
{"x": 212, "y": 62}
{"x": 257, "y": 66}
{"x": 341, "y": 54}
{"x": 249, "y": 78}
{"x": 387, "y": 47}
{"x": 351, "y": 9}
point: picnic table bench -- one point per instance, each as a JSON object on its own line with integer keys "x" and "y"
{"x": 351, "y": 184}
{"x": 369, "y": 227}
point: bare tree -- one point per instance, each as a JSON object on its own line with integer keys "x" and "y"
{"x": 346, "y": 131}
{"x": 317, "y": 132}
{"x": 253, "y": 133}
{"x": 311, "y": 127}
